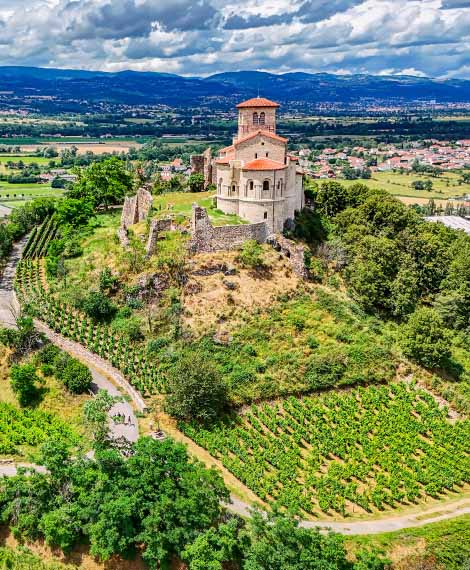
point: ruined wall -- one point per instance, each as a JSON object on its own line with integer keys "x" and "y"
{"x": 156, "y": 227}
{"x": 202, "y": 164}
{"x": 294, "y": 252}
{"x": 136, "y": 208}
{"x": 207, "y": 238}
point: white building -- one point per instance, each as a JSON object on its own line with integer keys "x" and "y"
{"x": 256, "y": 178}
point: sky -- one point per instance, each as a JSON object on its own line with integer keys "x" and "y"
{"x": 203, "y": 37}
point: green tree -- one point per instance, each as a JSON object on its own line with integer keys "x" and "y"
{"x": 195, "y": 388}
{"x": 98, "y": 306}
{"x": 76, "y": 377}
{"x": 196, "y": 182}
{"x": 331, "y": 198}
{"x": 95, "y": 414}
{"x": 425, "y": 339}
{"x": 24, "y": 382}
{"x": 103, "y": 183}
{"x": 75, "y": 212}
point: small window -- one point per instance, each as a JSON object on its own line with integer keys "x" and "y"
{"x": 265, "y": 215}
{"x": 262, "y": 118}
{"x": 255, "y": 119}
{"x": 251, "y": 184}
{"x": 266, "y": 185}
{"x": 256, "y": 155}
{"x": 267, "y": 154}
{"x": 234, "y": 189}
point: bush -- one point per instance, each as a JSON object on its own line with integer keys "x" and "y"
{"x": 326, "y": 369}
{"x": 251, "y": 254}
{"x": 47, "y": 354}
{"x": 76, "y": 377}
{"x": 24, "y": 382}
{"x": 195, "y": 389}
{"x": 97, "y": 306}
{"x": 425, "y": 339}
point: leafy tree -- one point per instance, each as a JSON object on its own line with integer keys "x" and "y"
{"x": 95, "y": 413}
{"x": 331, "y": 198}
{"x": 76, "y": 377}
{"x": 98, "y": 306}
{"x": 465, "y": 178}
{"x": 23, "y": 339}
{"x": 251, "y": 254}
{"x": 215, "y": 548}
{"x": 425, "y": 339}
{"x": 196, "y": 182}
{"x": 102, "y": 183}
{"x": 24, "y": 382}
{"x": 195, "y": 388}
{"x": 277, "y": 543}
{"x": 74, "y": 211}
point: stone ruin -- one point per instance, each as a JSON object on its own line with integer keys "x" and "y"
{"x": 203, "y": 164}
{"x": 136, "y": 208}
{"x": 208, "y": 238}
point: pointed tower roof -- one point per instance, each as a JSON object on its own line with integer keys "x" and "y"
{"x": 257, "y": 102}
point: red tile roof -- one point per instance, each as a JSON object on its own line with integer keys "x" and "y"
{"x": 227, "y": 148}
{"x": 261, "y": 132}
{"x": 264, "y": 164}
{"x": 257, "y": 102}
{"x": 224, "y": 160}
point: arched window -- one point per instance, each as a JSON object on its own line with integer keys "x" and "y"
{"x": 262, "y": 118}
{"x": 266, "y": 185}
{"x": 251, "y": 184}
{"x": 255, "y": 119}
{"x": 234, "y": 189}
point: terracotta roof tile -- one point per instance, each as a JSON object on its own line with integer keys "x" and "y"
{"x": 257, "y": 102}
{"x": 264, "y": 164}
{"x": 261, "y": 132}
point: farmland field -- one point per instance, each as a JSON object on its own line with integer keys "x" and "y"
{"x": 445, "y": 186}
{"x": 347, "y": 453}
{"x": 16, "y": 194}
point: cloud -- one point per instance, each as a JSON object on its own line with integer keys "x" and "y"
{"x": 201, "y": 37}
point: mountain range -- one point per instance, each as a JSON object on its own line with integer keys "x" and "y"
{"x": 224, "y": 89}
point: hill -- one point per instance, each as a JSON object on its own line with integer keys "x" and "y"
{"x": 20, "y": 84}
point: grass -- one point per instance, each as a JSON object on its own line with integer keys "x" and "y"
{"x": 181, "y": 203}
{"x": 282, "y": 349}
{"x": 23, "y": 559}
{"x": 443, "y": 545}
{"x": 444, "y": 186}
{"x": 56, "y": 401}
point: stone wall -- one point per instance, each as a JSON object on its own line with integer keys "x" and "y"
{"x": 294, "y": 252}
{"x": 156, "y": 227}
{"x": 136, "y": 208}
{"x": 207, "y": 238}
{"x": 202, "y": 164}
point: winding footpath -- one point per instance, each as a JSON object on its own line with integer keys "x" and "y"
{"x": 108, "y": 378}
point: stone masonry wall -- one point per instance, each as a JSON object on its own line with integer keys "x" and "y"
{"x": 156, "y": 227}
{"x": 294, "y": 252}
{"x": 136, "y": 208}
{"x": 207, "y": 238}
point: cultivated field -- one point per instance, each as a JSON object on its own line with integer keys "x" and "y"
{"x": 344, "y": 453}
{"x": 445, "y": 186}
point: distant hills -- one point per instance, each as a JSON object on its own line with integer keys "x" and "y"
{"x": 221, "y": 90}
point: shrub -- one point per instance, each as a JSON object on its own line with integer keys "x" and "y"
{"x": 425, "y": 339}
{"x": 24, "y": 382}
{"x": 76, "y": 377}
{"x": 326, "y": 369}
{"x": 251, "y": 254}
{"x": 47, "y": 354}
{"x": 97, "y": 306}
{"x": 195, "y": 389}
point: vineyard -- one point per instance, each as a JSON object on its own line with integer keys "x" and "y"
{"x": 32, "y": 290}
{"x": 354, "y": 452}
{"x": 30, "y": 428}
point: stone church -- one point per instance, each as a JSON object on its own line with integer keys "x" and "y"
{"x": 256, "y": 178}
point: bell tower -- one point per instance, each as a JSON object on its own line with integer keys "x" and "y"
{"x": 256, "y": 114}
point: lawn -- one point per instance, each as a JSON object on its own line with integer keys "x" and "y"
{"x": 445, "y": 186}
{"x": 350, "y": 453}
{"x": 181, "y": 203}
{"x": 14, "y": 194}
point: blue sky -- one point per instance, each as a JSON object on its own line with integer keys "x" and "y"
{"x": 201, "y": 37}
